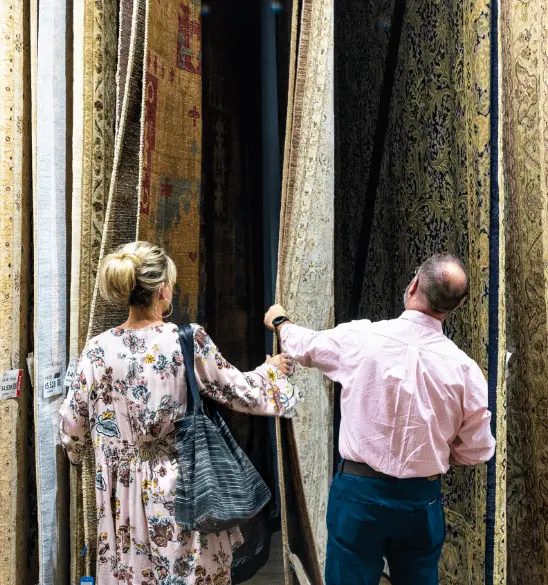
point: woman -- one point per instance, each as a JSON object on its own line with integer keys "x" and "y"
{"x": 129, "y": 390}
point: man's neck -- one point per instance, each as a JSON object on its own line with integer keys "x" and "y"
{"x": 420, "y": 308}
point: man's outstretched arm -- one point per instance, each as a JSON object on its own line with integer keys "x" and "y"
{"x": 312, "y": 349}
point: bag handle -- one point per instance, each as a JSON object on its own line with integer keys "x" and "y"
{"x": 186, "y": 338}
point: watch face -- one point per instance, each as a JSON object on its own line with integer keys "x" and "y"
{"x": 278, "y": 321}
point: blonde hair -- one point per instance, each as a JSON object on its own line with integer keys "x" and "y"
{"x": 134, "y": 273}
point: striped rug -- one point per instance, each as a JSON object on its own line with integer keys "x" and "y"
{"x": 15, "y": 282}
{"x": 50, "y": 288}
{"x": 305, "y": 276}
{"x": 170, "y": 166}
{"x": 76, "y": 504}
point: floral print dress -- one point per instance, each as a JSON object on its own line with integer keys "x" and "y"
{"x": 129, "y": 390}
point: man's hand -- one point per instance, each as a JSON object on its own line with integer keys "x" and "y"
{"x": 272, "y": 313}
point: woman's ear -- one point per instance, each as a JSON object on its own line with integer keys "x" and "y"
{"x": 162, "y": 292}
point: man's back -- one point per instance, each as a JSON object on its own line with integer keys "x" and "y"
{"x": 410, "y": 397}
{"x": 412, "y": 403}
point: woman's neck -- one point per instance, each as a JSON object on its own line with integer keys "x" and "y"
{"x": 141, "y": 317}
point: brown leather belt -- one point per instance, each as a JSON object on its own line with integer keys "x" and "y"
{"x": 364, "y": 470}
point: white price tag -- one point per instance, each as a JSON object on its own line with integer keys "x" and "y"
{"x": 11, "y": 384}
{"x": 52, "y": 382}
{"x": 71, "y": 372}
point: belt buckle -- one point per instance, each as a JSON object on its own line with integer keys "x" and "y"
{"x": 432, "y": 477}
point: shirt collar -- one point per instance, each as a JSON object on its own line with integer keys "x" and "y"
{"x": 422, "y": 319}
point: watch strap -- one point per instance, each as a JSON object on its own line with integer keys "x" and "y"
{"x": 279, "y": 321}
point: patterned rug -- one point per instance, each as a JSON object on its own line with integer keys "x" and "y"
{"x": 170, "y": 164}
{"x": 100, "y": 47}
{"x": 438, "y": 190}
{"x": 121, "y": 218}
{"x": 120, "y": 224}
{"x": 94, "y": 91}
{"x": 125, "y": 19}
{"x": 524, "y": 33}
{"x": 50, "y": 242}
{"x": 305, "y": 273}
{"x": 15, "y": 281}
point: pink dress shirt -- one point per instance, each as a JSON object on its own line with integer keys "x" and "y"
{"x": 410, "y": 397}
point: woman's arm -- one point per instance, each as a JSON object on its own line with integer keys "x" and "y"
{"x": 75, "y": 430}
{"x": 264, "y": 391}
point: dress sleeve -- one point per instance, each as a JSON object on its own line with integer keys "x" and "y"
{"x": 264, "y": 391}
{"x": 75, "y": 429}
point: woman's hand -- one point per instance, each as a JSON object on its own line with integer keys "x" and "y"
{"x": 282, "y": 362}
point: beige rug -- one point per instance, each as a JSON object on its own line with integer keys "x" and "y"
{"x": 15, "y": 282}
{"x": 305, "y": 265}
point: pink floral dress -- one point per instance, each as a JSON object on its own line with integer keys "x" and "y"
{"x": 129, "y": 390}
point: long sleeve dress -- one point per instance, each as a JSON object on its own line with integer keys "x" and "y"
{"x": 129, "y": 390}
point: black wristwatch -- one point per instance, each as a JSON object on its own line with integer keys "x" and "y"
{"x": 279, "y": 321}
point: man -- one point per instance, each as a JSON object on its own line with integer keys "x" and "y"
{"x": 412, "y": 404}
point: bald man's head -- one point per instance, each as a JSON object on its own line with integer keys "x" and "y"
{"x": 443, "y": 282}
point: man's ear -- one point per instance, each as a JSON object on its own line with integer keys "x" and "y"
{"x": 414, "y": 285}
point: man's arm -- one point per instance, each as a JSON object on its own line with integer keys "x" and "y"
{"x": 311, "y": 349}
{"x": 474, "y": 443}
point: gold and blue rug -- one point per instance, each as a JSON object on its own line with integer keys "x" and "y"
{"x": 430, "y": 174}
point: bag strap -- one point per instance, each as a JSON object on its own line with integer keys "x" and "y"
{"x": 186, "y": 338}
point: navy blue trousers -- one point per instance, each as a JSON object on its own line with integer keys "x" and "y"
{"x": 368, "y": 519}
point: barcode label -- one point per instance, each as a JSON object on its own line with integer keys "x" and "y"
{"x": 11, "y": 384}
{"x": 52, "y": 382}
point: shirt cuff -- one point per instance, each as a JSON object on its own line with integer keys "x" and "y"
{"x": 285, "y": 330}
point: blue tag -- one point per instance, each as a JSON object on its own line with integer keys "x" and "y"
{"x": 87, "y": 581}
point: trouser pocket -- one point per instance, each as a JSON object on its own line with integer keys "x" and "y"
{"x": 432, "y": 526}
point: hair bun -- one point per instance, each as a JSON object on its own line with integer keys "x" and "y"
{"x": 134, "y": 273}
{"x": 128, "y": 256}
{"x": 118, "y": 276}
